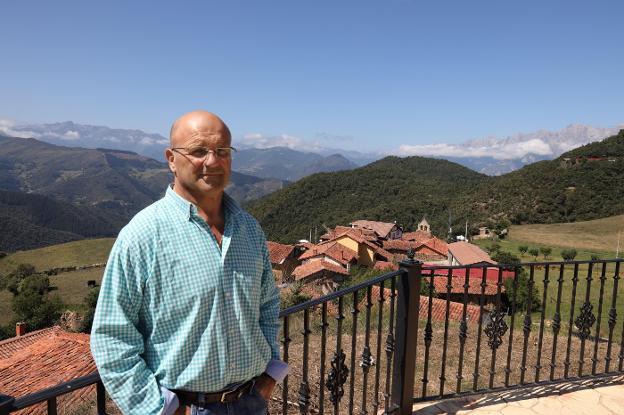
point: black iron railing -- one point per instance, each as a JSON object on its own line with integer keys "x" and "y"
{"x": 430, "y": 332}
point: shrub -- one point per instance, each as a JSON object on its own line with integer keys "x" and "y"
{"x": 506, "y": 258}
{"x": 493, "y": 248}
{"x": 546, "y": 251}
{"x": 534, "y": 252}
{"x": 523, "y": 249}
{"x": 568, "y": 254}
{"x": 294, "y": 296}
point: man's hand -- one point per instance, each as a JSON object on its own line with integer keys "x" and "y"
{"x": 183, "y": 410}
{"x": 265, "y": 385}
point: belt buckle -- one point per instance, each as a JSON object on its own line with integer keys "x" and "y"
{"x": 224, "y": 394}
{"x": 239, "y": 391}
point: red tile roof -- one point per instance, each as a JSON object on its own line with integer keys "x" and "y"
{"x": 466, "y": 253}
{"x": 398, "y": 244}
{"x": 42, "y": 359}
{"x": 312, "y": 267}
{"x": 435, "y": 244}
{"x": 457, "y": 282}
{"x": 418, "y": 236}
{"x": 343, "y": 230}
{"x": 382, "y": 229}
{"x": 279, "y": 252}
{"x": 314, "y": 250}
{"x": 341, "y": 253}
{"x": 438, "y": 307}
{"x": 432, "y": 243}
{"x": 385, "y": 265}
{"x": 491, "y": 273}
{"x": 388, "y": 256}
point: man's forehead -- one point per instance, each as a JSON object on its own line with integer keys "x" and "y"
{"x": 204, "y": 136}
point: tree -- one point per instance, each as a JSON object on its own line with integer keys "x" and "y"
{"x": 13, "y": 280}
{"x": 506, "y": 258}
{"x": 34, "y": 305}
{"x": 522, "y": 293}
{"x": 568, "y": 254}
{"x": 523, "y": 249}
{"x": 493, "y": 248}
{"x": 534, "y": 252}
{"x": 89, "y": 303}
{"x": 546, "y": 251}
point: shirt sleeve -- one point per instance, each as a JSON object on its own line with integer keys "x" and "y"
{"x": 116, "y": 342}
{"x": 269, "y": 306}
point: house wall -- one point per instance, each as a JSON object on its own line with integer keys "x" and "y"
{"x": 366, "y": 256}
{"x": 348, "y": 242}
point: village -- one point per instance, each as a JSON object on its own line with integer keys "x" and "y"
{"x": 319, "y": 269}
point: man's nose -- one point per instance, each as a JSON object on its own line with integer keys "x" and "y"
{"x": 211, "y": 158}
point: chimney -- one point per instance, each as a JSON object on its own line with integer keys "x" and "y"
{"x": 20, "y": 328}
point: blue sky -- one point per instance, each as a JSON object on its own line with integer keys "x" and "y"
{"x": 354, "y": 74}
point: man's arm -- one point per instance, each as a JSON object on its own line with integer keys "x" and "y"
{"x": 269, "y": 318}
{"x": 116, "y": 342}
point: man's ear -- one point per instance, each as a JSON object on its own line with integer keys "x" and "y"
{"x": 169, "y": 156}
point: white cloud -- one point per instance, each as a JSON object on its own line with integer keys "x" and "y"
{"x": 257, "y": 140}
{"x": 497, "y": 150}
{"x": 6, "y": 128}
{"x": 71, "y": 135}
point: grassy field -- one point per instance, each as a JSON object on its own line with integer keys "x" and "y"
{"x": 600, "y": 236}
{"x": 88, "y": 251}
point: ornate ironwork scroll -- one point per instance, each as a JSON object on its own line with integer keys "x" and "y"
{"x": 585, "y": 320}
{"x": 496, "y": 329}
{"x": 367, "y": 359}
{"x": 337, "y": 377}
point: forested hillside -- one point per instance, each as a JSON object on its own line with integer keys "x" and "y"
{"x": 405, "y": 189}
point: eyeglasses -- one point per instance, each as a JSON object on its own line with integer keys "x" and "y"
{"x": 200, "y": 153}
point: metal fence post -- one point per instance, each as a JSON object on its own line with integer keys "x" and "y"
{"x": 404, "y": 365}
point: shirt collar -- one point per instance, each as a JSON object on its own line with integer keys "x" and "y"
{"x": 188, "y": 209}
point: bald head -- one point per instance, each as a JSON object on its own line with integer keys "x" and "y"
{"x": 195, "y": 125}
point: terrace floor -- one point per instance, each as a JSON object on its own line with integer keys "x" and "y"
{"x": 589, "y": 397}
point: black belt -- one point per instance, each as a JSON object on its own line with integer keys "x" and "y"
{"x": 201, "y": 399}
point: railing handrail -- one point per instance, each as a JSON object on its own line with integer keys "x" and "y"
{"x": 51, "y": 392}
{"x": 340, "y": 293}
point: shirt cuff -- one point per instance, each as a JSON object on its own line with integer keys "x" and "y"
{"x": 171, "y": 401}
{"x": 277, "y": 370}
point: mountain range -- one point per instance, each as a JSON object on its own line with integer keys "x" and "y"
{"x": 265, "y": 156}
{"x": 112, "y": 184}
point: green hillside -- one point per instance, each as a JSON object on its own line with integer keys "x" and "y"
{"x": 84, "y": 252}
{"x": 405, "y": 189}
{"x": 51, "y": 194}
{"x": 401, "y": 189}
{"x": 600, "y": 235}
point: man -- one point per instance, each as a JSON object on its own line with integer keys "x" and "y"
{"x": 188, "y": 309}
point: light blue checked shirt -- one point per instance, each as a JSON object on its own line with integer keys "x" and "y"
{"x": 177, "y": 312}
